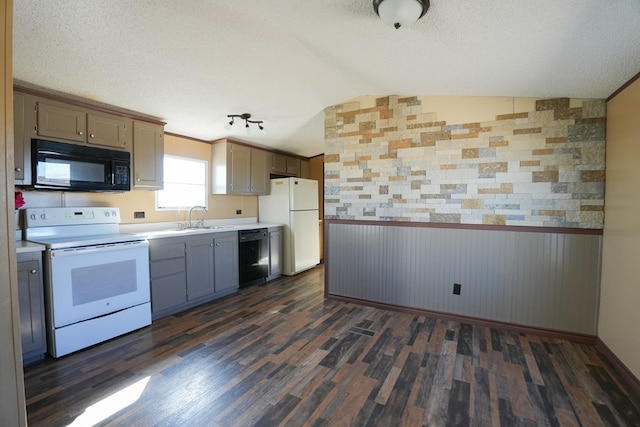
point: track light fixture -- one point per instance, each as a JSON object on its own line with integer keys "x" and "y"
{"x": 400, "y": 13}
{"x": 247, "y": 119}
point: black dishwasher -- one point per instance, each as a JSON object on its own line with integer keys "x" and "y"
{"x": 253, "y": 250}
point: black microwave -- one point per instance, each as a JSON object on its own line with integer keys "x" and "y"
{"x": 71, "y": 167}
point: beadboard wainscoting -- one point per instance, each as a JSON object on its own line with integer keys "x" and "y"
{"x": 534, "y": 277}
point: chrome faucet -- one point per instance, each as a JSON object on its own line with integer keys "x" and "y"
{"x": 189, "y": 224}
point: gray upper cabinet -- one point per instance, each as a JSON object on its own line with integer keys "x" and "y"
{"x": 18, "y": 136}
{"x": 260, "y": 183}
{"x": 238, "y": 169}
{"x": 293, "y": 166}
{"x": 76, "y": 124}
{"x": 278, "y": 164}
{"x": 148, "y": 156}
{"x": 107, "y": 130}
{"x": 38, "y": 116}
{"x": 24, "y": 120}
{"x": 285, "y": 165}
{"x": 56, "y": 120}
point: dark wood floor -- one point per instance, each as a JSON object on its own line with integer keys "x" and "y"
{"x": 280, "y": 354}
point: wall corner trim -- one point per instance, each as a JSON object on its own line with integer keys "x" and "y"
{"x": 620, "y": 368}
{"x": 624, "y": 86}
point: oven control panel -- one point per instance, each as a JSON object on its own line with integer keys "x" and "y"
{"x": 48, "y": 217}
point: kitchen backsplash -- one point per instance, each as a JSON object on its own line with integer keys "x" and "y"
{"x": 397, "y": 160}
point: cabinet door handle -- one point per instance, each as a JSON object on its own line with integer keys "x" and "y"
{"x": 217, "y": 244}
{"x": 211, "y": 244}
{"x": 92, "y": 135}
{"x": 80, "y": 133}
{"x": 34, "y": 271}
{"x": 18, "y": 169}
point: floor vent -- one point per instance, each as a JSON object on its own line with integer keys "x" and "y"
{"x": 362, "y": 331}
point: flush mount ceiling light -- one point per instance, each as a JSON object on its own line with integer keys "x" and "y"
{"x": 246, "y": 117}
{"x": 400, "y": 13}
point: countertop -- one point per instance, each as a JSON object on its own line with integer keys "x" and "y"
{"x": 170, "y": 229}
{"x": 158, "y": 230}
{"x": 23, "y": 247}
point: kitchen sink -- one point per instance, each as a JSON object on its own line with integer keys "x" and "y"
{"x": 209, "y": 227}
{"x": 188, "y": 230}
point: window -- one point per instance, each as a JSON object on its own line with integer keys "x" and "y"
{"x": 185, "y": 184}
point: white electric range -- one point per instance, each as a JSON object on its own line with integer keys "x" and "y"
{"x": 96, "y": 278}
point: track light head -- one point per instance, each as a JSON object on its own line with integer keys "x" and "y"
{"x": 246, "y": 117}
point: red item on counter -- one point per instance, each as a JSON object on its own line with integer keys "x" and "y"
{"x": 19, "y": 200}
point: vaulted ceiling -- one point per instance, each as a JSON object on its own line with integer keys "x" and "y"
{"x": 284, "y": 61}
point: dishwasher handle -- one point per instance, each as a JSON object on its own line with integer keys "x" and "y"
{"x": 251, "y": 235}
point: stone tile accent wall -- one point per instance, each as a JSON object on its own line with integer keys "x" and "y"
{"x": 393, "y": 162}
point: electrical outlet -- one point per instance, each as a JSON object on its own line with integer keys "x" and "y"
{"x": 138, "y": 215}
{"x": 457, "y": 287}
{"x": 238, "y": 211}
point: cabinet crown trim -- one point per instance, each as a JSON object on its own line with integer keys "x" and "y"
{"x": 54, "y": 95}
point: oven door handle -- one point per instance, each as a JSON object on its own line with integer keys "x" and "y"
{"x": 99, "y": 248}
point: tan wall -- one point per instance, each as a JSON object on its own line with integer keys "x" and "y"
{"x": 220, "y": 206}
{"x": 620, "y": 285}
{"x": 12, "y": 402}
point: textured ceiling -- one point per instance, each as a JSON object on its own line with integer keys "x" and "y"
{"x": 192, "y": 63}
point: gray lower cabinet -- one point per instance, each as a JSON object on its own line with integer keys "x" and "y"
{"x": 200, "y": 268}
{"x": 225, "y": 255}
{"x": 187, "y": 271}
{"x": 212, "y": 265}
{"x": 31, "y": 306}
{"x": 275, "y": 253}
{"x": 167, "y": 272}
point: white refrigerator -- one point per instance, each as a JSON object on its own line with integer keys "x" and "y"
{"x": 294, "y": 203}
